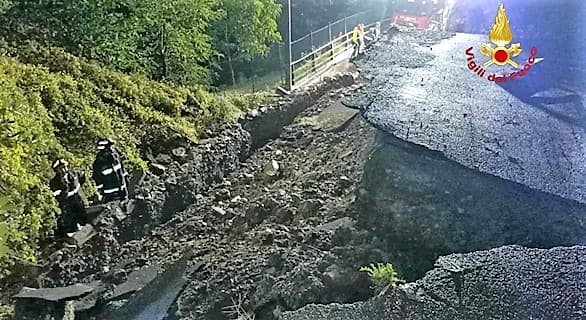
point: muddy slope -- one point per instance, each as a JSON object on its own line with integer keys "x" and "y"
{"x": 503, "y": 283}
{"x": 276, "y": 237}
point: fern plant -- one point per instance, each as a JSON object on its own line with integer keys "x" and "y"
{"x": 382, "y": 275}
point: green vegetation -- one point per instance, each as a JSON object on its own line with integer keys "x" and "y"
{"x": 53, "y": 104}
{"x": 175, "y": 40}
{"x": 4, "y": 207}
{"x": 246, "y": 28}
{"x": 382, "y": 275}
{"x": 6, "y": 312}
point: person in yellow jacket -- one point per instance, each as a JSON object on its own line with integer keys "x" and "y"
{"x": 355, "y": 42}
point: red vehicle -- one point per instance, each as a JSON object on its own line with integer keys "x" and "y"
{"x": 421, "y": 14}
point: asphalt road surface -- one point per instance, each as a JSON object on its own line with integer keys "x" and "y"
{"x": 530, "y": 130}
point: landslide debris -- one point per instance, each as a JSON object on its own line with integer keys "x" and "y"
{"x": 276, "y": 239}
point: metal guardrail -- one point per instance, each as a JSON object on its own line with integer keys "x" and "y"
{"x": 307, "y": 68}
{"x": 324, "y": 35}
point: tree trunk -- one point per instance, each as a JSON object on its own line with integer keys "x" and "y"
{"x": 231, "y": 70}
{"x": 164, "y": 71}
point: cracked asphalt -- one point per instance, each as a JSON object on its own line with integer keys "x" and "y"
{"x": 531, "y": 131}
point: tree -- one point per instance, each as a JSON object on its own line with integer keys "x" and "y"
{"x": 246, "y": 29}
{"x": 165, "y": 40}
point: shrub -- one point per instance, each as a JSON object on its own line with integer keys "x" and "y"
{"x": 382, "y": 275}
{"x": 53, "y": 104}
{"x": 6, "y": 312}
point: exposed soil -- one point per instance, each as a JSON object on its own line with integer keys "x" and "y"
{"x": 276, "y": 233}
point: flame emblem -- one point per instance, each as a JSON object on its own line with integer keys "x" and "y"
{"x": 501, "y": 35}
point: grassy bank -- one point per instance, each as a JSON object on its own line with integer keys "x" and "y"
{"x": 53, "y": 104}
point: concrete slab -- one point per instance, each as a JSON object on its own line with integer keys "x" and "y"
{"x": 55, "y": 294}
{"x": 336, "y": 224}
{"x": 136, "y": 281}
{"x": 333, "y": 118}
{"x": 83, "y": 235}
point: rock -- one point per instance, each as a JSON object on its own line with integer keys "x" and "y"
{"x": 276, "y": 260}
{"x": 164, "y": 159}
{"x": 345, "y": 222}
{"x": 222, "y": 194}
{"x": 119, "y": 276}
{"x": 219, "y": 210}
{"x": 230, "y": 213}
{"x": 255, "y": 214}
{"x": 309, "y": 208}
{"x": 83, "y": 235}
{"x": 239, "y": 222}
{"x": 345, "y": 182}
{"x": 157, "y": 169}
{"x": 284, "y": 216}
{"x": 342, "y": 236}
{"x": 236, "y": 199}
{"x": 119, "y": 214}
{"x": 179, "y": 152}
{"x": 136, "y": 179}
{"x": 266, "y": 236}
{"x": 271, "y": 169}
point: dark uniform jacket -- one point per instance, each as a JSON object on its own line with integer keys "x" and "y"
{"x": 68, "y": 192}
{"x": 109, "y": 175}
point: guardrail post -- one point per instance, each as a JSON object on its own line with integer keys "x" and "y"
{"x": 290, "y": 82}
{"x": 331, "y": 43}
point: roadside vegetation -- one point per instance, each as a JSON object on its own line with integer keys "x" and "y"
{"x": 135, "y": 71}
{"x": 53, "y": 104}
{"x": 382, "y": 276}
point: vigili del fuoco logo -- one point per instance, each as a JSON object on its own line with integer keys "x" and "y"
{"x": 501, "y": 36}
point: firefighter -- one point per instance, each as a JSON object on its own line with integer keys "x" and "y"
{"x": 66, "y": 187}
{"x": 376, "y": 31}
{"x": 109, "y": 174}
{"x": 361, "y": 37}
{"x": 355, "y": 42}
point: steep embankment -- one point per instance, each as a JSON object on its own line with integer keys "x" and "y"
{"x": 213, "y": 224}
{"x": 56, "y": 105}
{"x": 421, "y": 205}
